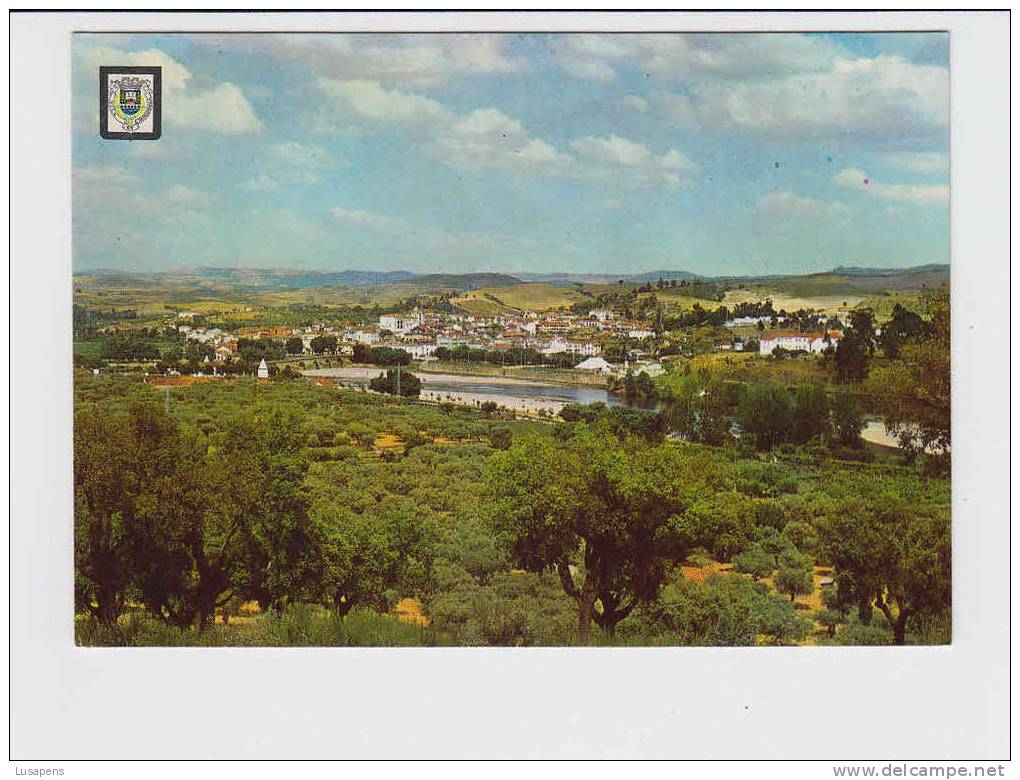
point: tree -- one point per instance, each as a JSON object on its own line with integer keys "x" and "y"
{"x": 847, "y": 420}
{"x": 501, "y": 438}
{"x": 754, "y": 561}
{"x": 855, "y": 349}
{"x": 696, "y": 408}
{"x": 802, "y": 535}
{"x": 794, "y": 575}
{"x": 766, "y": 414}
{"x": 266, "y": 454}
{"x": 889, "y": 552}
{"x": 105, "y": 486}
{"x": 903, "y": 326}
{"x": 725, "y": 611}
{"x": 295, "y": 346}
{"x": 409, "y": 384}
{"x": 324, "y": 345}
{"x": 810, "y": 413}
{"x": 614, "y": 510}
{"x": 914, "y": 391}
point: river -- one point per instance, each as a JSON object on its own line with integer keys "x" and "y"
{"x": 519, "y": 394}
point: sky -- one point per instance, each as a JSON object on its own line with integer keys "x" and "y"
{"x": 711, "y": 153}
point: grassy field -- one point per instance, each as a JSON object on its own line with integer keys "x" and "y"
{"x": 830, "y": 304}
{"x": 679, "y": 299}
{"x": 532, "y": 296}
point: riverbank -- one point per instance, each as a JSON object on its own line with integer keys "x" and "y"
{"x": 563, "y": 376}
{"x": 524, "y": 396}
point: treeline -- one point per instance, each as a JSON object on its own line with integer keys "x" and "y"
{"x": 516, "y": 356}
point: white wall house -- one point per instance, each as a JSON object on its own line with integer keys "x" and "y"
{"x": 366, "y": 336}
{"x": 596, "y": 365}
{"x": 419, "y": 351}
{"x": 820, "y": 343}
{"x": 808, "y": 342}
{"x": 603, "y": 315}
{"x": 788, "y": 341}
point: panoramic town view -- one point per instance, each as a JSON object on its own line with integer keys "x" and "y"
{"x": 515, "y": 340}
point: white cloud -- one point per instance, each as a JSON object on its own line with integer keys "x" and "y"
{"x": 370, "y": 218}
{"x": 371, "y": 100}
{"x": 920, "y": 162}
{"x": 259, "y": 183}
{"x": 411, "y": 60}
{"x": 614, "y": 156}
{"x": 634, "y": 103}
{"x": 486, "y": 138}
{"x": 104, "y": 175}
{"x": 856, "y": 179}
{"x": 678, "y": 58}
{"x": 874, "y": 98}
{"x": 787, "y": 204}
{"x": 218, "y": 108}
{"x": 189, "y": 197}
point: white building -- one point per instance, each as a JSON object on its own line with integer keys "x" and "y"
{"x": 366, "y": 336}
{"x": 420, "y": 351}
{"x": 603, "y": 315}
{"x": 263, "y": 372}
{"x": 640, "y": 333}
{"x": 400, "y": 323}
{"x": 596, "y": 365}
{"x": 791, "y": 341}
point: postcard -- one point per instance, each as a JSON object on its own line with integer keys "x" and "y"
{"x": 538, "y": 339}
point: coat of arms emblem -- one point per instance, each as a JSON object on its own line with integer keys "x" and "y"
{"x": 130, "y": 102}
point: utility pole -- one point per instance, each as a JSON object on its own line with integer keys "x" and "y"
{"x": 166, "y": 400}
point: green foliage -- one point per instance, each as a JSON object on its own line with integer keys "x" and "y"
{"x": 320, "y": 518}
{"x": 501, "y": 438}
{"x": 794, "y": 575}
{"x": 914, "y": 391}
{"x": 297, "y": 625}
{"x": 754, "y": 561}
{"x": 847, "y": 420}
{"x": 890, "y": 551}
{"x": 404, "y": 383}
{"x": 766, "y": 415}
{"x": 615, "y": 510}
{"x": 855, "y": 349}
{"x": 722, "y": 611}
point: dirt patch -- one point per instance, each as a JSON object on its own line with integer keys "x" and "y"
{"x": 180, "y": 381}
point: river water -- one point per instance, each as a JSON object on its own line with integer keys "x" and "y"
{"x": 519, "y": 394}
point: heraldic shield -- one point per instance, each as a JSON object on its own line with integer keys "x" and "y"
{"x": 130, "y": 107}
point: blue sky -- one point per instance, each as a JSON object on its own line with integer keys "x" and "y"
{"x": 717, "y": 154}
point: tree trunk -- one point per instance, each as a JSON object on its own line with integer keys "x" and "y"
{"x": 900, "y": 631}
{"x": 106, "y": 607}
{"x": 586, "y": 608}
{"x": 864, "y": 610}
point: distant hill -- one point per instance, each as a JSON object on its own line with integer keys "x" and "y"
{"x": 935, "y": 268}
{"x": 641, "y": 278}
{"x": 464, "y": 281}
{"x": 258, "y": 278}
{"x": 535, "y": 289}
